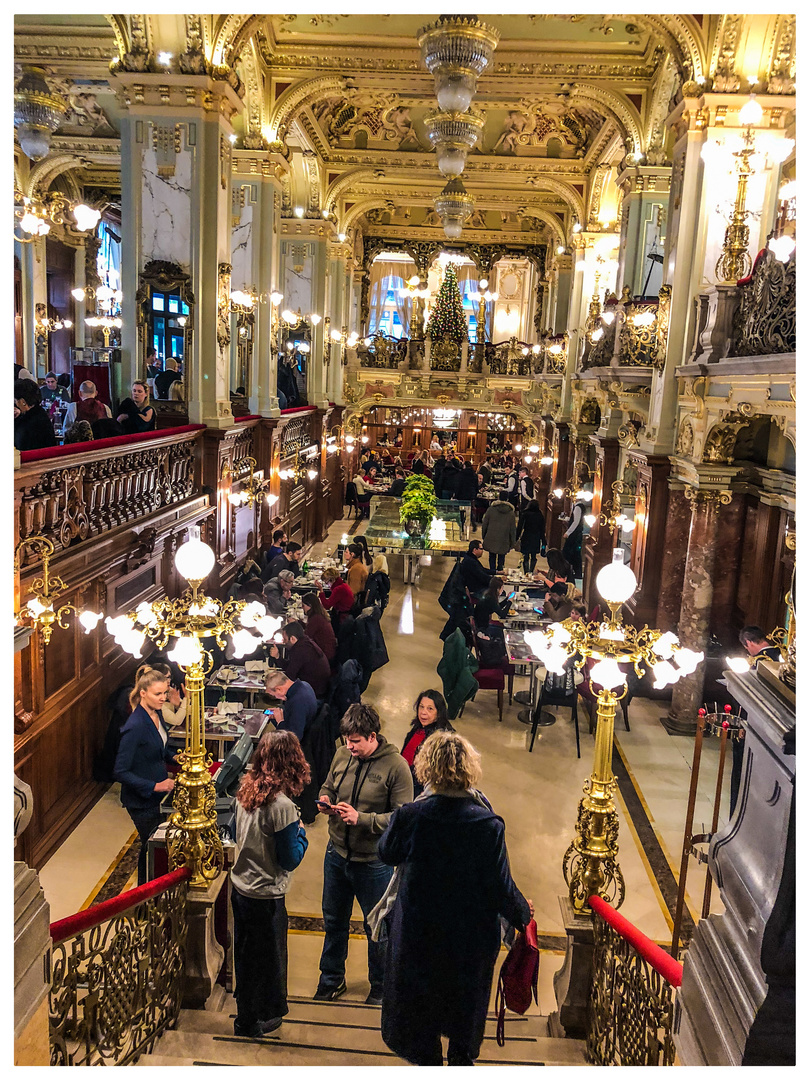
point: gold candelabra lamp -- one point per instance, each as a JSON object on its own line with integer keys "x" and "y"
{"x": 613, "y": 517}
{"x": 192, "y": 619}
{"x": 108, "y": 301}
{"x": 40, "y": 607}
{"x": 252, "y": 489}
{"x": 34, "y": 215}
{"x": 735, "y": 262}
{"x": 591, "y": 864}
{"x": 574, "y": 488}
{"x": 43, "y": 325}
{"x": 339, "y": 439}
{"x": 299, "y": 469}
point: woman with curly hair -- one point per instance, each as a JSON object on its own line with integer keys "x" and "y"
{"x": 270, "y": 843}
{"x": 444, "y": 930}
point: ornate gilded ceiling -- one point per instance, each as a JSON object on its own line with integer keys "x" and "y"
{"x": 343, "y": 99}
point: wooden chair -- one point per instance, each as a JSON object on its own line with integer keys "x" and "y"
{"x": 556, "y": 691}
{"x": 508, "y": 668}
{"x": 352, "y": 501}
{"x": 488, "y": 678}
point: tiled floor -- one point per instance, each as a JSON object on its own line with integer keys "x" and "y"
{"x": 536, "y": 794}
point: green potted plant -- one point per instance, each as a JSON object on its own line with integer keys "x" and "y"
{"x": 418, "y": 505}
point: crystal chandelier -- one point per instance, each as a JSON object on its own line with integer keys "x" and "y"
{"x": 454, "y": 205}
{"x": 452, "y": 135}
{"x": 456, "y": 49}
{"x": 37, "y": 112}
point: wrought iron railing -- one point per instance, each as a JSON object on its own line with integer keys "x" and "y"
{"x": 765, "y": 320}
{"x": 116, "y": 974}
{"x": 382, "y": 351}
{"x": 630, "y": 1009}
{"x": 641, "y": 327}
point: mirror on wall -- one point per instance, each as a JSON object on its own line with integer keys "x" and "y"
{"x": 165, "y": 311}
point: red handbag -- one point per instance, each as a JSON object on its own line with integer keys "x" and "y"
{"x": 517, "y": 982}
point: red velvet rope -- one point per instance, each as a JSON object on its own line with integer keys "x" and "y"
{"x": 94, "y": 916}
{"x": 105, "y": 444}
{"x": 661, "y": 961}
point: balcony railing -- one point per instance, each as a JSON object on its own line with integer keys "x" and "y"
{"x": 116, "y": 974}
{"x": 629, "y": 333}
{"x": 765, "y": 321}
{"x": 513, "y": 358}
{"x": 630, "y": 1009}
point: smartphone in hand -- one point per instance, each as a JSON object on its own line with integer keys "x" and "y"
{"x": 326, "y": 805}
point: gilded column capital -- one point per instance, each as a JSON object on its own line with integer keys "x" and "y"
{"x": 698, "y": 496}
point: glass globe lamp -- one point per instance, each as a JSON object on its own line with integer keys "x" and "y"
{"x": 616, "y": 582}
{"x": 194, "y": 559}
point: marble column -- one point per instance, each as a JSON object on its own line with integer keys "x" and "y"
{"x": 673, "y": 560}
{"x": 646, "y": 189}
{"x": 696, "y": 606}
{"x": 597, "y": 546}
{"x": 561, "y": 451}
{"x": 176, "y": 202}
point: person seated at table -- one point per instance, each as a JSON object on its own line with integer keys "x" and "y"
{"x": 290, "y": 559}
{"x": 485, "y": 469}
{"x": 164, "y": 380}
{"x": 398, "y": 438}
{"x": 558, "y": 604}
{"x": 356, "y": 569}
{"x": 370, "y": 476}
{"x": 398, "y": 486}
{"x": 277, "y": 592}
{"x": 136, "y": 414}
{"x": 276, "y": 548}
{"x": 299, "y": 702}
{"x": 304, "y": 659}
{"x": 491, "y": 604}
{"x": 559, "y": 569}
{"x": 473, "y": 575}
{"x": 341, "y": 598}
{"x": 106, "y": 428}
{"x": 318, "y": 627}
{"x": 363, "y": 493}
{"x": 251, "y": 591}
{"x": 33, "y": 429}
{"x": 52, "y": 391}
{"x": 81, "y": 431}
{"x": 387, "y": 458}
{"x": 88, "y": 407}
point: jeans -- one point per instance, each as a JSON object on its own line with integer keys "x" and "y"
{"x": 145, "y": 821}
{"x": 259, "y": 958}
{"x": 344, "y": 880}
{"x": 493, "y": 557}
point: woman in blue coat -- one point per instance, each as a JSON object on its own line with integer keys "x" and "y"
{"x": 444, "y": 930}
{"x": 140, "y": 765}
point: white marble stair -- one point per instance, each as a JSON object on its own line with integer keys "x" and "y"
{"x": 338, "y": 1033}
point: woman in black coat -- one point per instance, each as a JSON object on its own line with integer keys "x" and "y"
{"x": 444, "y": 930}
{"x": 467, "y": 484}
{"x": 378, "y": 585}
{"x": 430, "y": 714}
{"x": 140, "y": 764}
{"x": 532, "y": 535}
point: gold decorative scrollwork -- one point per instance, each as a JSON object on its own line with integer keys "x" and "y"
{"x": 224, "y": 305}
{"x": 631, "y": 1006}
{"x": 686, "y": 439}
{"x": 445, "y": 355}
{"x": 702, "y": 495}
{"x": 115, "y": 988}
{"x": 765, "y": 321}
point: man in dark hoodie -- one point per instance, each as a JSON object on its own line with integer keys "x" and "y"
{"x": 498, "y": 530}
{"x": 367, "y": 781}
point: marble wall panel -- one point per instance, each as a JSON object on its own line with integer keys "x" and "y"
{"x": 166, "y": 210}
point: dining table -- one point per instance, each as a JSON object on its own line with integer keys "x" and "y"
{"x": 519, "y": 653}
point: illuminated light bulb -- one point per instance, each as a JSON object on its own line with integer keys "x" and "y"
{"x": 194, "y": 559}
{"x": 782, "y": 247}
{"x": 576, "y": 227}
{"x": 559, "y": 634}
{"x": 350, "y": 439}
{"x": 525, "y": 350}
{"x": 590, "y": 520}
{"x": 314, "y": 319}
{"x": 276, "y": 298}
{"x": 164, "y": 58}
{"x": 738, "y": 664}
{"x": 234, "y": 498}
{"x": 302, "y": 347}
{"x": 67, "y": 324}
{"x": 665, "y": 645}
{"x": 132, "y": 642}
{"x": 78, "y": 294}
{"x": 332, "y": 448}
{"x": 289, "y": 316}
{"x": 644, "y": 318}
{"x": 608, "y": 317}
{"x": 90, "y": 620}
{"x": 267, "y": 625}
{"x": 608, "y": 674}
{"x": 610, "y": 633}
{"x": 312, "y": 473}
{"x": 341, "y": 236}
{"x": 558, "y": 493}
{"x": 232, "y": 138}
{"x": 665, "y": 674}
{"x": 145, "y": 615}
{"x": 687, "y": 660}
{"x": 336, "y": 336}
{"x": 518, "y": 446}
{"x": 283, "y": 474}
{"x": 244, "y": 643}
{"x": 187, "y": 652}
{"x": 119, "y": 626}
{"x": 86, "y": 217}
{"x": 751, "y": 112}
{"x": 364, "y": 439}
{"x": 547, "y": 459}
{"x": 207, "y": 607}
{"x": 528, "y": 459}
{"x": 556, "y": 658}
{"x": 290, "y": 346}
{"x": 272, "y": 500}
{"x": 299, "y": 211}
{"x": 36, "y": 607}
{"x": 560, "y": 249}
{"x": 597, "y": 334}
{"x": 616, "y": 582}
{"x": 324, "y": 213}
{"x": 104, "y": 293}
{"x": 534, "y": 449}
{"x": 628, "y": 525}
{"x": 536, "y": 350}
{"x": 537, "y": 642}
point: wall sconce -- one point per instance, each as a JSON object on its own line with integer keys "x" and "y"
{"x": 44, "y": 325}
{"x": 251, "y": 490}
{"x": 45, "y": 591}
{"x": 36, "y": 215}
{"x": 299, "y": 469}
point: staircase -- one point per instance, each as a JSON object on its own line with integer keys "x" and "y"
{"x": 339, "y": 1033}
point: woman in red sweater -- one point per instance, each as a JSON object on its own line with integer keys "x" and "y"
{"x": 430, "y": 711}
{"x": 319, "y": 629}
{"x": 341, "y": 598}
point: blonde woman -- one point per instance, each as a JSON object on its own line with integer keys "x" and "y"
{"x": 140, "y": 764}
{"x": 444, "y": 930}
{"x": 378, "y": 585}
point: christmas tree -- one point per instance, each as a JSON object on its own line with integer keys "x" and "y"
{"x": 447, "y": 316}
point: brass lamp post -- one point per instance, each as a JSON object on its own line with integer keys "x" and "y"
{"x": 192, "y": 837}
{"x": 590, "y": 865}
